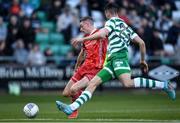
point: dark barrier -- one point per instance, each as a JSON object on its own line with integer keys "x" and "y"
{"x": 50, "y": 76}
{"x": 35, "y": 77}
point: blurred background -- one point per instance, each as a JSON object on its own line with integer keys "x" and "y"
{"x": 37, "y": 59}
{"x": 35, "y": 49}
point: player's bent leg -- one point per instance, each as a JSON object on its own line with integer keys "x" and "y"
{"x": 87, "y": 94}
{"x": 79, "y": 85}
{"x": 76, "y": 91}
{"x": 84, "y": 97}
{"x": 66, "y": 91}
{"x": 104, "y": 75}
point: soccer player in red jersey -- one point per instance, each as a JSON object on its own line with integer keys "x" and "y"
{"x": 95, "y": 53}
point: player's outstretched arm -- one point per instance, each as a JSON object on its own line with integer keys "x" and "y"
{"x": 102, "y": 33}
{"x": 140, "y": 42}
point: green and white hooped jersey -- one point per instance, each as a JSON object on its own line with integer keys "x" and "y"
{"x": 120, "y": 35}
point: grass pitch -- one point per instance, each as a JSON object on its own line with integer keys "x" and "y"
{"x": 108, "y": 106}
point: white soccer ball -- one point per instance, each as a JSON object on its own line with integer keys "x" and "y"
{"x": 31, "y": 110}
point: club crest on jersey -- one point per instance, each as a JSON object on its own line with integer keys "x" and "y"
{"x": 118, "y": 63}
{"x": 122, "y": 26}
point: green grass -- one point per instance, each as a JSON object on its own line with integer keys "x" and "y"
{"x": 117, "y": 106}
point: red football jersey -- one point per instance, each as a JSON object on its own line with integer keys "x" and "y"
{"x": 95, "y": 51}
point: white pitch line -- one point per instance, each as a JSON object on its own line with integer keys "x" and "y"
{"x": 92, "y": 122}
{"x": 128, "y": 110}
{"x": 88, "y": 120}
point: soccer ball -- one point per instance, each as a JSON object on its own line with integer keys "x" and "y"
{"x": 31, "y": 110}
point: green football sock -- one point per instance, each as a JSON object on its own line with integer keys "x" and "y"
{"x": 148, "y": 83}
{"x": 84, "y": 97}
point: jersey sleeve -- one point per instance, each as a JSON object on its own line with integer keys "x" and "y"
{"x": 110, "y": 25}
{"x": 133, "y": 35}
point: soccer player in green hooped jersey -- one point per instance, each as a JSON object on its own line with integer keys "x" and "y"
{"x": 119, "y": 36}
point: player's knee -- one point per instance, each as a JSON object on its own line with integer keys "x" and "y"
{"x": 65, "y": 93}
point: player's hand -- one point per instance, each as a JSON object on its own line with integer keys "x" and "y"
{"x": 144, "y": 66}
{"x": 76, "y": 41}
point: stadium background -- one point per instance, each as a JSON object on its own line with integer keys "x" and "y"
{"x": 36, "y": 57}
